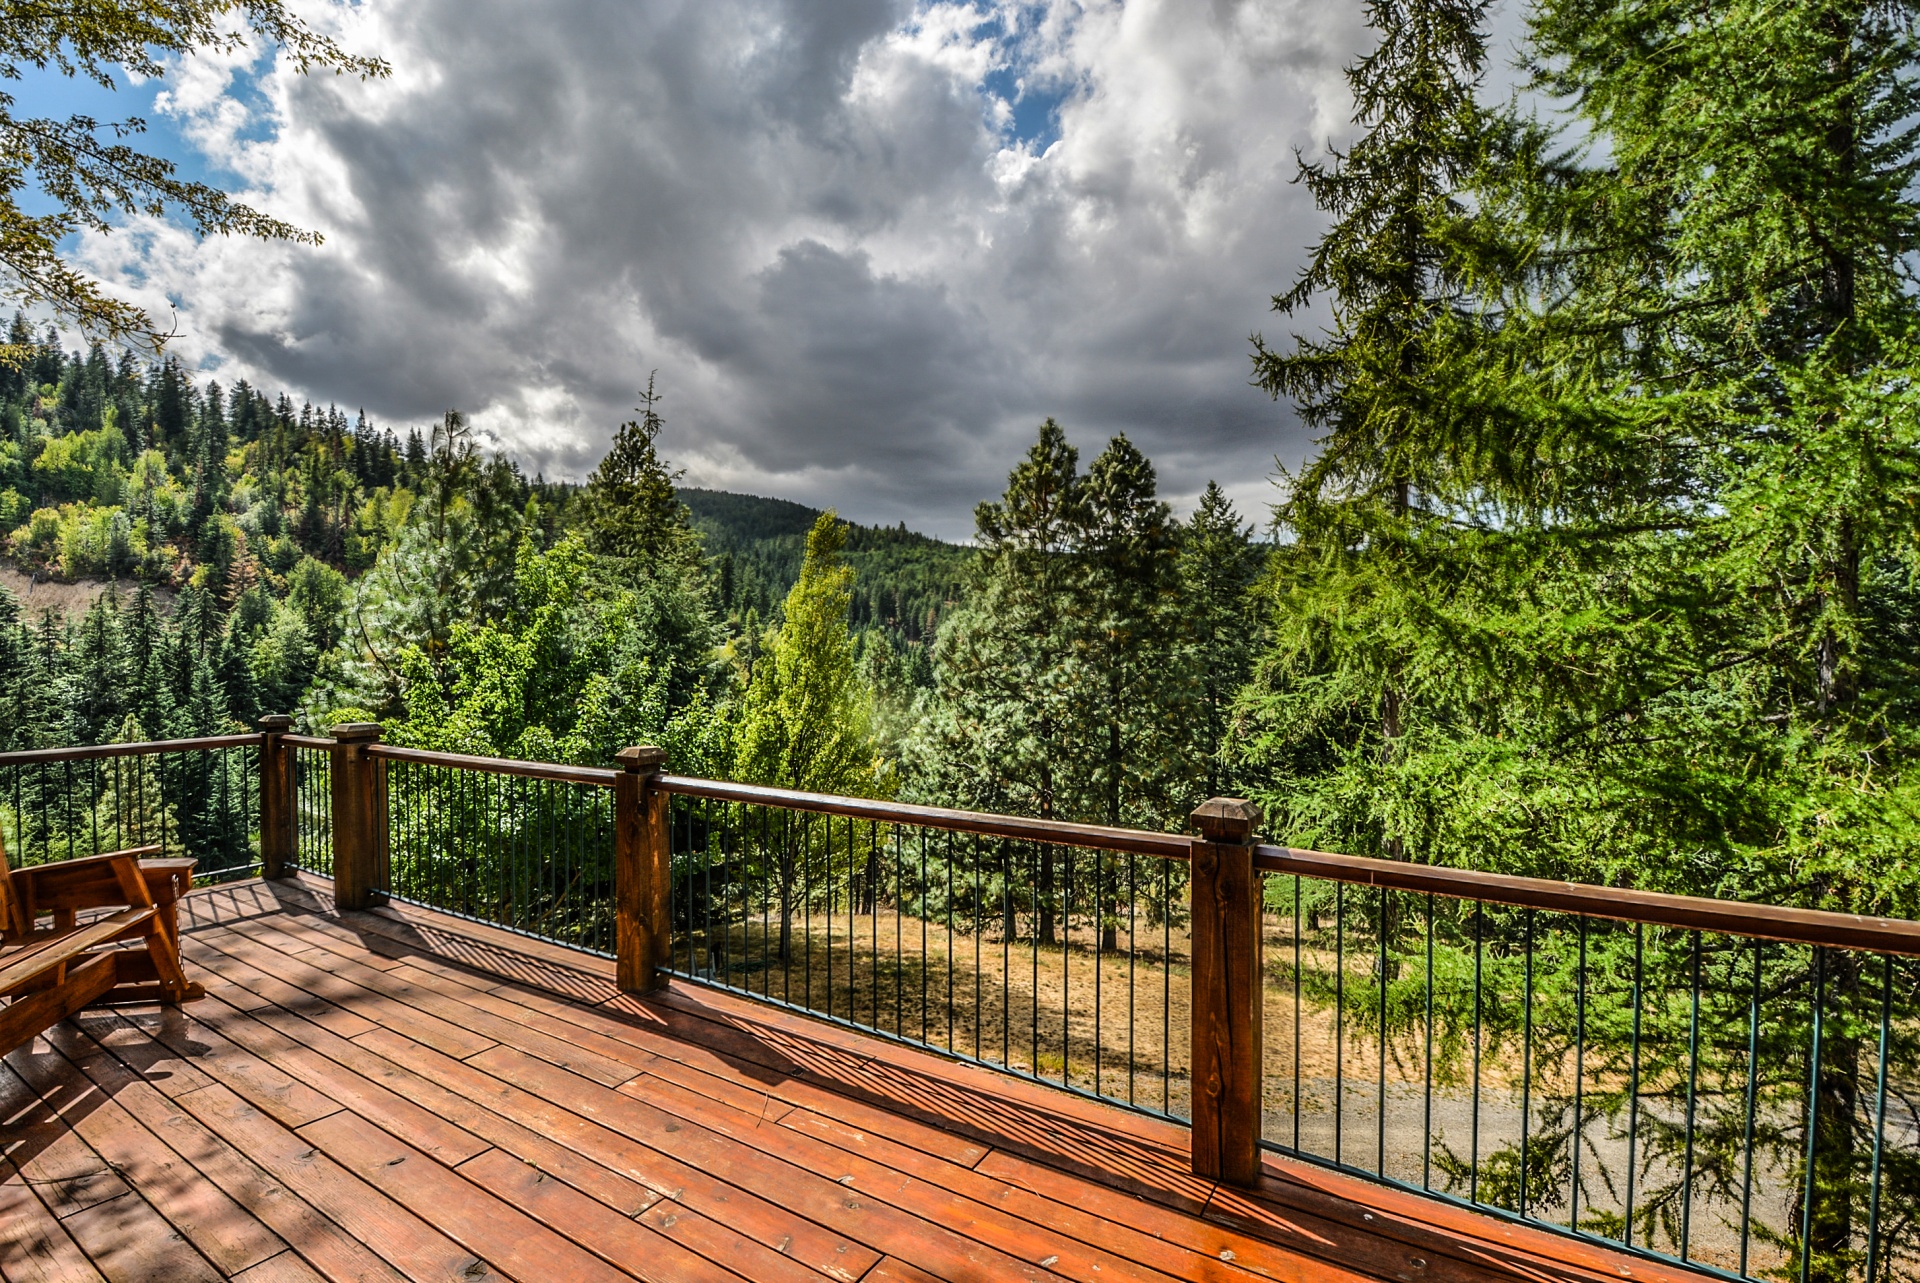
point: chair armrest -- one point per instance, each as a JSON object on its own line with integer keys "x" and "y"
{"x": 19, "y": 966}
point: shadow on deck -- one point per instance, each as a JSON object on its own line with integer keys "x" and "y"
{"x": 403, "y": 1095}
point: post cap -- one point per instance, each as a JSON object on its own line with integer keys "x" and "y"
{"x": 276, "y": 722}
{"x": 646, "y": 757}
{"x": 1226, "y": 819}
{"x": 356, "y": 732}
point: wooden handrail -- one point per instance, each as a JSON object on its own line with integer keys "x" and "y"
{"x": 306, "y": 741}
{"x": 1170, "y": 846}
{"x": 1619, "y": 904}
{"x": 35, "y": 756}
{"x": 594, "y": 775}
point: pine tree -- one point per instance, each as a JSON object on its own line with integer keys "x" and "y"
{"x": 97, "y": 704}
{"x": 633, "y": 512}
{"x": 1005, "y": 662}
{"x": 1646, "y": 608}
{"x": 1136, "y": 688}
{"x": 1218, "y": 567}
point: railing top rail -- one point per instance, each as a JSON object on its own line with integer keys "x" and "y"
{"x": 306, "y": 741}
{"x": 594, "y": 775}
{"x": 34, "y": 756}
{"x": 1171, "y": 846}
{"x": 1620, "y": 904}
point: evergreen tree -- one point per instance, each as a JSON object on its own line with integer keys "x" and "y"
{"x": 1218, "y": 567}
{"x": 633, "y": 512}
{"x": 1133, "y": 705}
{"x": 805, "y": 717}
{"x": 1642, "y": 608}
{"x": 97, "y": 702}
{"x": 1395, "y": 444}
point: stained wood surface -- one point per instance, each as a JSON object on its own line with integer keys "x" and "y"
{"x": 396, "y": 1095}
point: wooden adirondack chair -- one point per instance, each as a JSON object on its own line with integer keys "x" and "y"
{"x": 49, "y": 972}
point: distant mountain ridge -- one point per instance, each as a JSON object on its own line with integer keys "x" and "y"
{"x": 902, "y": 580}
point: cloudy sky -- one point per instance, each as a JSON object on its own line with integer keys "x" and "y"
{"x": 867, "y": 244}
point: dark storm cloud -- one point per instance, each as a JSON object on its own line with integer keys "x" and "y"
{"x": 806, "y": 215}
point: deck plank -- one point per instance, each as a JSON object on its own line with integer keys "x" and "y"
{"x": 358, "y": 1091}
{"x": 474, "y": 1019}
{"x": 129, "y": 1242}
{"x": 222, "y": 1230}
{"x": 824, "y": 1197}
{"x": 508, "y": 1239}
{"x": 284, "y": 1268}
{"x": 689, "y": 1063}
{"x": 36, "y": 1247}
{"x": 706, "y": 1192}
{"x": 627, "y": 1197}
{"x": 399, "y": 1094}
{"x": 335, "y": 1253}
{"x": 404, "y": 1240}
{"x": 632, "y": 1245}
{"x": 56, "y": 1165}
{"x": 343, "y": 993}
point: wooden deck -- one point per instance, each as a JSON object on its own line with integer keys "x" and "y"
{"x": 400, "y": 1095}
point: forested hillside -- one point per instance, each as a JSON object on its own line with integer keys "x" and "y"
{"x": 902, "y": 582}
{"x": 324, "y": 566}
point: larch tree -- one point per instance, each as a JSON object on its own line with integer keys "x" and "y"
{"x": 1393, "y": 442}
{"x": 804, "y": 720}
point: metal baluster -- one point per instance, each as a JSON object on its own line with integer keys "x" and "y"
{"x": 1753, "y": 1087}
{"x": 1633, "y": 1076}
{"x": 1526, "y": 1067}
{"x": 1426, "y": 1139}
{"x": 1693, "y": 1084}
{"x": 1813, "y": 1111}
{"x": 1579, "y": 1076}
{"x": 1380, "y": 1157}
{"x": 1339, "y": 1013}
{"x": 1479, "y": 954}
{"x": 1879, "y": 1119}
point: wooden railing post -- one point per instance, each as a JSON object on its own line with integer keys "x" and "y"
{"x": 643, "y": 938}
{"x": 359, "y": 818}
{"x": 276, "y": 797}
{"x": 1227, "y": 1007}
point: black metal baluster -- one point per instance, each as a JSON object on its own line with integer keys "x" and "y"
{"x": 1526, "y": 1067}
{"x": 1753, "y": 1088}
{"x": 1426, "y": 1126}
{"x": 1808, "y": 1191}
{"x": 1633, "y": 1074}
{"x": 1479, "y": 954}
{"x": 1579, "y": 1077}
{"x": 1879, "y": 1119}
{"x": 1380, "y": 1157}
{"x": 1339, "y": 1014}
{"x": 1693, "y": 1085}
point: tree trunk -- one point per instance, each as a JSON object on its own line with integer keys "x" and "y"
{"x": 786, "y": 905}
{"x": 1043, "y": 892}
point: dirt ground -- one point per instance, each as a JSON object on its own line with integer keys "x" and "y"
{"x": 38, "y": 595}
{"x": 1115, "y": 1022}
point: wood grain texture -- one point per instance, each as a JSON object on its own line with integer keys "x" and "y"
{"x": 1227, "y": 1019}
{"x": 393, "y": 1094}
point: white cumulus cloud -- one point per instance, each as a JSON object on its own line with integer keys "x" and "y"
{"x": 818, "y": 219}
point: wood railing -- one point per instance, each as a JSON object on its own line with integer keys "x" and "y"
{"x": 666, "y": 833}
